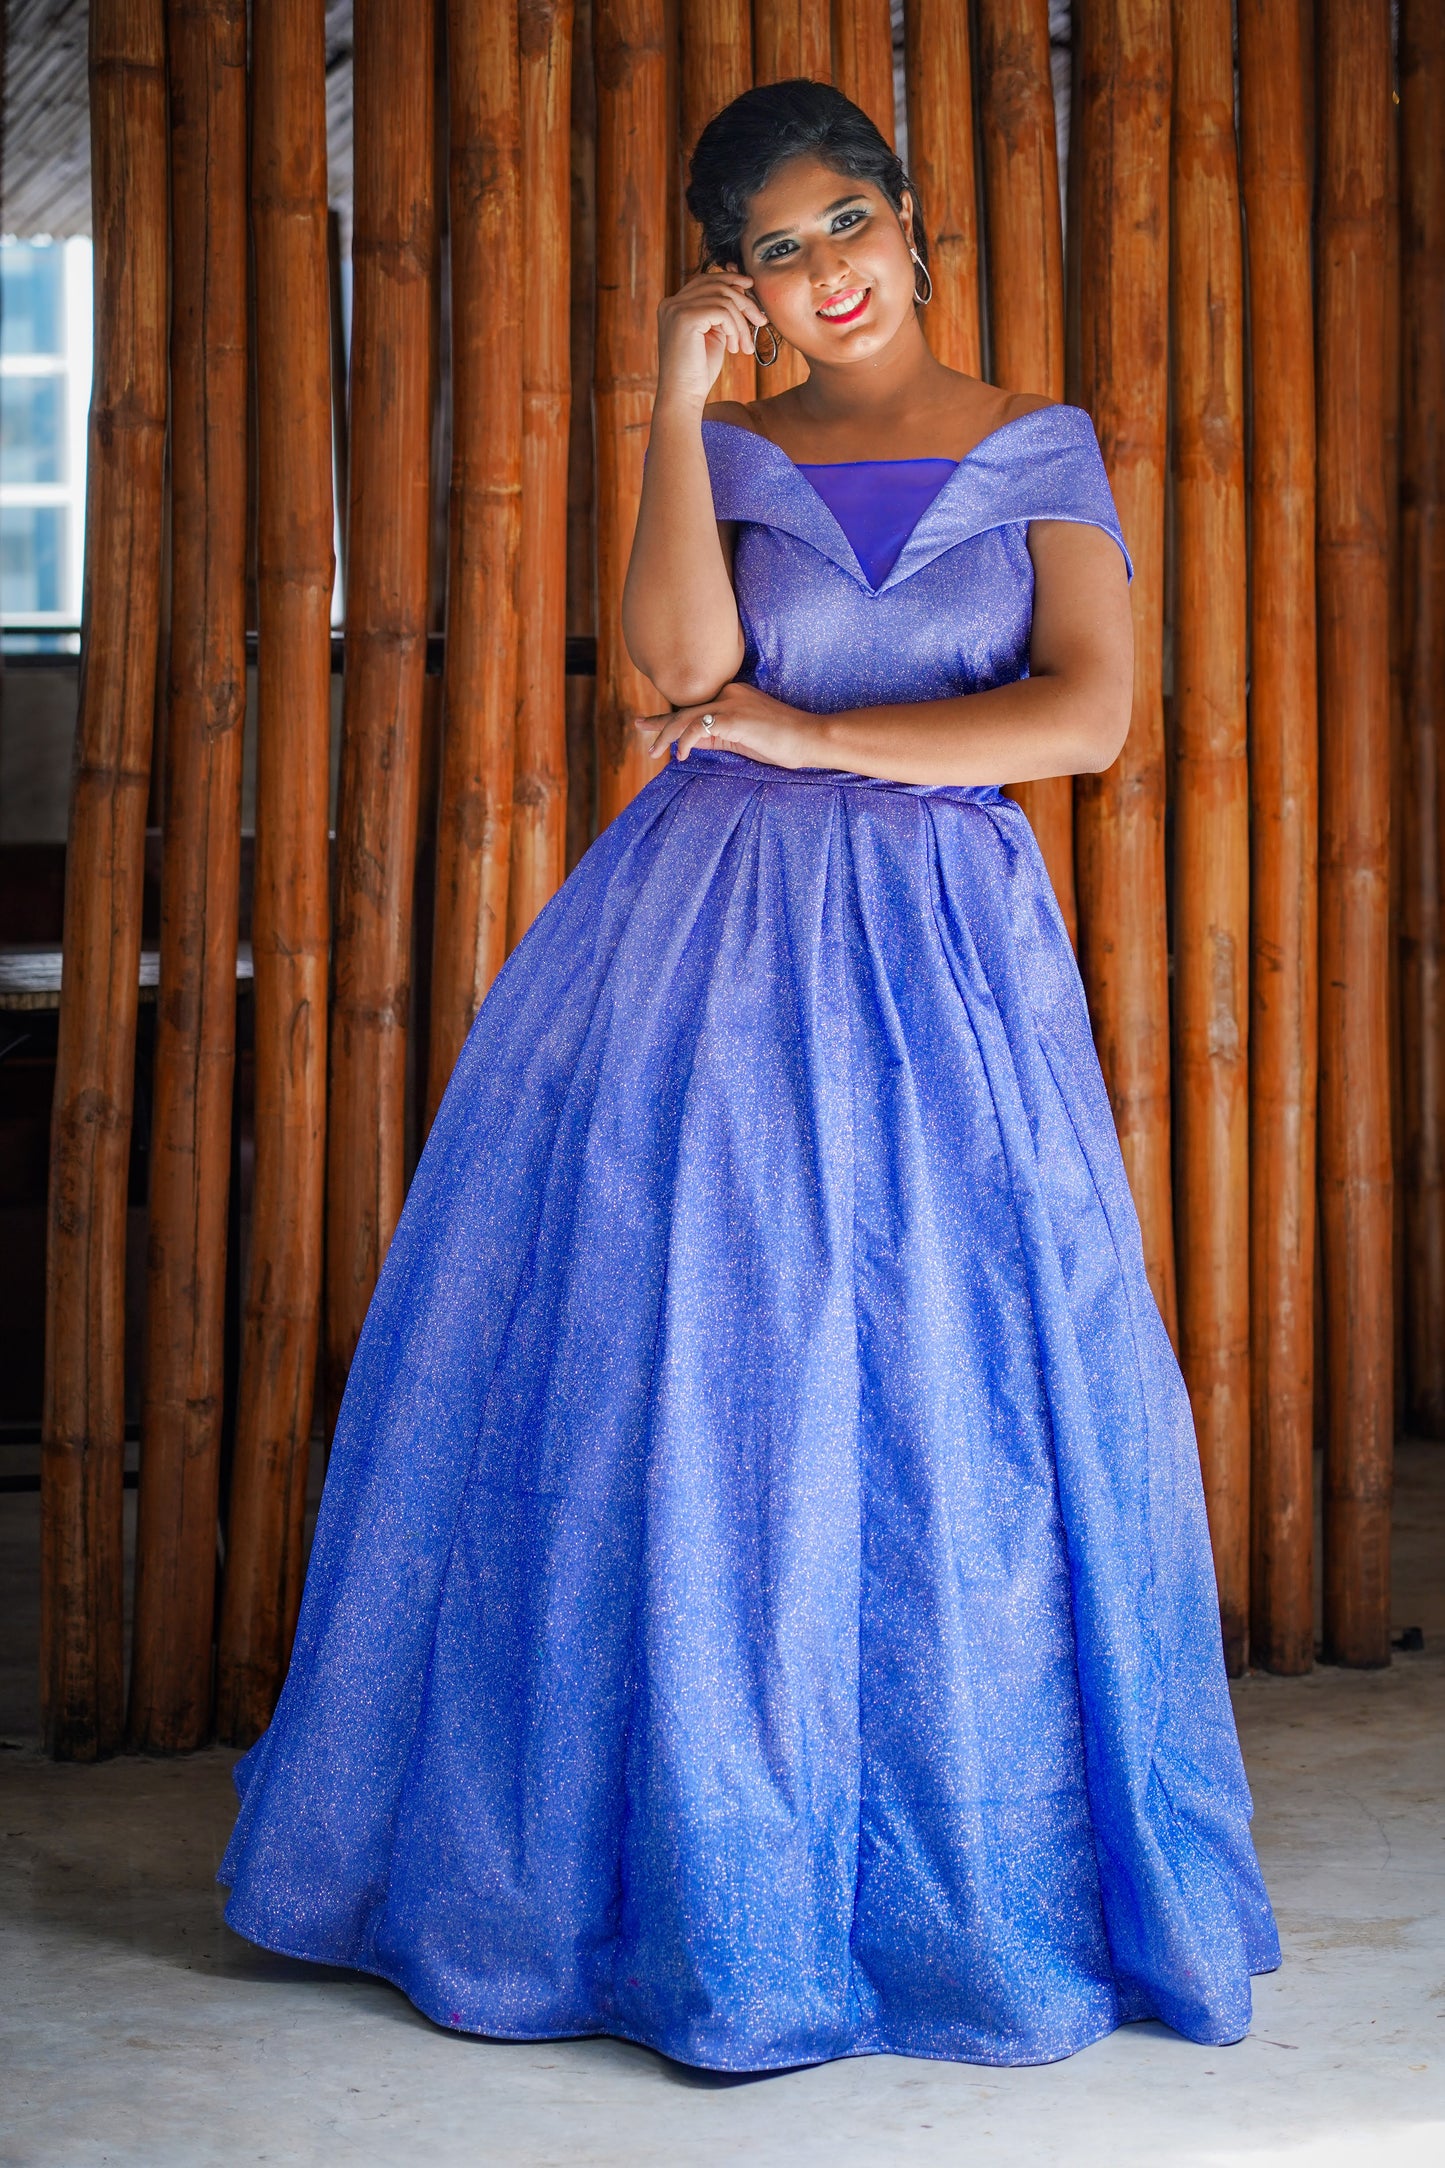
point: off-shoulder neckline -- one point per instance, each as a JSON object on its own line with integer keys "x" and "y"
{"x": 1056, "y": 406}
{"x": 791, "y": 502}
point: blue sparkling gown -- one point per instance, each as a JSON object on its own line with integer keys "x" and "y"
{"x": 761, "y": 1604}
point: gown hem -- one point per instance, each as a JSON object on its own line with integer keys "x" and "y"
{"x": 883, "y": 2044}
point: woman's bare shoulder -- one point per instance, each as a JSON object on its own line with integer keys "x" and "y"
{"x": 996, "y": 406}
{"x": 761, "y": 417}
{"x": 1019, "y": 403}
{"x": 972, "y": 409}
{"x": 735, "y": 411}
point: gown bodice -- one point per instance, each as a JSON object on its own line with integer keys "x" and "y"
{"x": 953, "y": 609}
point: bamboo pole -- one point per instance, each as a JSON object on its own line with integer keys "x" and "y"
{"x": 290, "y": 922}
{"x": 485, "y": 529}
{"x": 430, "y": 736}
{"x": 675, "y": 270}
{"x": 939, "y": 76}
{"x": 1122, "y": 216}
{"x": 1393, "y": 417}
{"x": 581, "y": 529}
{"x": 791, "y": 39}
{"x": 1026, "y": 292}
{"x": 1283, "y": 727}
{"x": 1211, "y": 795}
{"x": 1422, "y": 468}
{"x": 82, "y": 1684}
{"x": 393, "y": 257}
{"x": 340, "y": 440}
{"x": 862, "y": 44}
{"x": 717, "y": 66}
{"x": 1353, "y": 52}
{"x": 1310, "y": 86}
{"x": 539, "y": 816}
{"x": 632, "y": 179}
{"x": 175, "y": 1581}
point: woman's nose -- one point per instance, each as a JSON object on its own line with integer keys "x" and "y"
{"x": 829, "y": 267}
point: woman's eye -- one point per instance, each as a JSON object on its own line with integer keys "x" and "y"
{"x": 843, "y": 222}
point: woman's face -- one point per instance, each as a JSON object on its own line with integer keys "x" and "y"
{"x": 829, "y": 259}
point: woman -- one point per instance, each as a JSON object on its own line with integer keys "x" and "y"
{"x": 761, "y": 1604}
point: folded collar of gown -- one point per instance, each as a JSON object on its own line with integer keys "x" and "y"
{"x": 1042, "y": 465}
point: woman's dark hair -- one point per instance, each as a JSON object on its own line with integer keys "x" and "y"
{"x": 742, "y": 147}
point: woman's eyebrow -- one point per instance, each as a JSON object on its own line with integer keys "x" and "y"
{"x": 840, "y": 203}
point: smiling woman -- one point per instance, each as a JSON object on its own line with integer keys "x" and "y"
{"x": 762, "y": 1604}
{"x": 840, "y": 272}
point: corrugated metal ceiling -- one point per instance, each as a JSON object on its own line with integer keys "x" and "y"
{"x": 46, "y": 171}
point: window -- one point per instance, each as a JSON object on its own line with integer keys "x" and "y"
{"x": 44, "y": 401}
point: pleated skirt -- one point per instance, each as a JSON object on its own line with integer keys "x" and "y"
{"x": 761, "y": 1604}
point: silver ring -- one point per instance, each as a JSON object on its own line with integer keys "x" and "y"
{"x": 709, "y": 726}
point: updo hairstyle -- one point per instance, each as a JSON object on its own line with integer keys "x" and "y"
{"x": 742, "y": 147}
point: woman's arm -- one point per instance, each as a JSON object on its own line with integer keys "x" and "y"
{"x": 679, "y": 615}
{"x": 1070, "y": 716}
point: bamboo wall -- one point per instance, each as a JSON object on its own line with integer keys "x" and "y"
{"x": 1229, "y": 877}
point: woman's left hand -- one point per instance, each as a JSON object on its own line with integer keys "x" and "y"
{"x": 739, "y": 720}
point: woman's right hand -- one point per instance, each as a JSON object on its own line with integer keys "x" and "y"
{"x": 713, "y": 315}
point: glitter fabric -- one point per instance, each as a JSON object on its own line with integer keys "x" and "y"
{"x": 761, "y": 1604}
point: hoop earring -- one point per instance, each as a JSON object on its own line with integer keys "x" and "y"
{"x": 766, "y": 361}
{"x": 924, "y": 298}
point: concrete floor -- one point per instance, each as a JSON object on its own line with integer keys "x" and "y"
{"x": 139, "y": 2033}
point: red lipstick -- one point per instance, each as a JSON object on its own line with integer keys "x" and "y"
{"x": 852, "y": 315}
